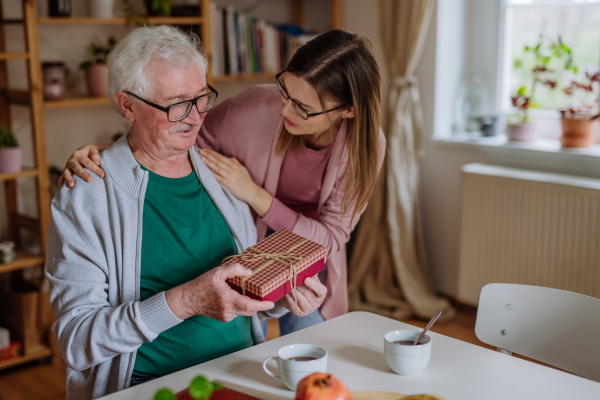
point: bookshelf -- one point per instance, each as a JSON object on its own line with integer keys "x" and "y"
{"x": 39, "y": 111}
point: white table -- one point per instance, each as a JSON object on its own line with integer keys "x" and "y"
{"x": 457, "y": 370}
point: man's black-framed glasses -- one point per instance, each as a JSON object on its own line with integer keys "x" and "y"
{"x": 178, "y": 111}
{"x": 297, "y": 107}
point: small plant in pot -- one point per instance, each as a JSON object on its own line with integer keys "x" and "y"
{"x": 159, "y": 8}
{"x": 96, "y": 71}
{"x": 577, "y": 121}
{"x": 10, "y": 152}
{"x": 545, "y": 61}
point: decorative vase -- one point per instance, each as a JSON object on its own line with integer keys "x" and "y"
{"x": 577, "y": 132}
{"x": 102, "y": 8}
{"x": 10, "y": 159}
{"x": 96, "y": 77}
{"x": 524, "y": 132}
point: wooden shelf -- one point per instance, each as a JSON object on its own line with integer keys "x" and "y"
{"x": 244, "y": 77}
{"x": 25, "y": 173}
{"x": 77, "y": 102}
{"x": 22, "y": 260}
{"x": 13, "y": 56}
{"x": 22, "y": 97}
{"x": 41, "y": 353}
{"x": 122, "y": 21}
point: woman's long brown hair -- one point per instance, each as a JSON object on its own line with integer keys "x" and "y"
{"x": 341, "y": 67}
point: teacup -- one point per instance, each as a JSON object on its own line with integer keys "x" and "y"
{"x": 406, "y": 359}
{"x": 297, "y": 361}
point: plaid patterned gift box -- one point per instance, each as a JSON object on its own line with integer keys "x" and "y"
{"x": 278, "y": 263}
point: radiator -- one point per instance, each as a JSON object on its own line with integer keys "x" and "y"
{"x": 528, "y": 227}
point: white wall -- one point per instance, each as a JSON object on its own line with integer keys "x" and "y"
{"x": 461, "y": 26}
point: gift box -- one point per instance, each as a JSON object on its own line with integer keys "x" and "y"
{"x": 279, "y": 263}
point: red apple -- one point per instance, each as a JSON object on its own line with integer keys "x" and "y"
{"x": 320, "y": 386}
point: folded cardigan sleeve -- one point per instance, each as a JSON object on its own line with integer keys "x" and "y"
{"x": 90, "y": 330}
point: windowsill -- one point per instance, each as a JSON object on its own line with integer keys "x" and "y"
{"x": 500, "y": 144}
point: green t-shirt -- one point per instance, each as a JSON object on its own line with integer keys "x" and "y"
{"x": 184, "y": 236}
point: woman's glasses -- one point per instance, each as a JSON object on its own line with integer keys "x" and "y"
{"x": 178, "y": 111}
{"x": 297, "y": 107}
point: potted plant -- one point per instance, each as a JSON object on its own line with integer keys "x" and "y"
{"x": 577, "y": 121}
{"x": 158, "y": 8}
{"x": 547, "y": 59}
{"x": 96, "y": 71}
{"x": 10, "y": 152}
{"x": 101, "y": 8}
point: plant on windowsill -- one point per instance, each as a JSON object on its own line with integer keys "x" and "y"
{"x": 550, "y": 59}
{"x": 577, "y": 121}
{"x": 96, "y": 71}
{"x": 10, "y": 152}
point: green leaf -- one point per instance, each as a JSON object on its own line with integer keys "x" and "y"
{"x": 164, "y": 394}
{"x": 522, "y": 91}
{"x": 7, "y": 138}
{"x": 201, "y": 388}
{"x": 217, "y": 386}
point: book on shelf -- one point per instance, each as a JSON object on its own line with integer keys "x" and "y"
{"x": 245, "y": 45}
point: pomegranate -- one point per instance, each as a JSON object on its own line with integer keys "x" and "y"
{"x": 320, "y": 386}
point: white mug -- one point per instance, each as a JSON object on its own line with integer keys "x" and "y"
{"x": 406, "y": 359}
{"x": 291, "y": 372}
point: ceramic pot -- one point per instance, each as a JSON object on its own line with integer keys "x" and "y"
{"x": 521, "y": 132}
{"x": 96, "y": 77}
{"x": 10, "y": 159}
{"x": 577, "y": 132}
{"x": 102, "y": 8}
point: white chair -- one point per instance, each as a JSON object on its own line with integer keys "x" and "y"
{"x": 553, "y": 326}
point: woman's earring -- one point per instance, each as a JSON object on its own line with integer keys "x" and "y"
{"x": 343, "y": 116}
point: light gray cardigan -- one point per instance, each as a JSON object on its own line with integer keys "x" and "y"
{"x": 93, "y": 265}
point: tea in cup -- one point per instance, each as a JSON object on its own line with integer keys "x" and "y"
{"x": 402, "y": 356}
{"x": 297, "y": 361}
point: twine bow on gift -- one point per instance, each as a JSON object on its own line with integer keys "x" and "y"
{"x": 286, "y": 258}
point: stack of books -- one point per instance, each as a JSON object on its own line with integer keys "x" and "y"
{"x": 244, "y": 45}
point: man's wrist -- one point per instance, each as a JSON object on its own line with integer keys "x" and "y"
{"x": 178, "y": 302}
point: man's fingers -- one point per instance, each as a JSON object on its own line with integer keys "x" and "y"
{"x": 246, "y": 306}
{"x": 233, "y": 270}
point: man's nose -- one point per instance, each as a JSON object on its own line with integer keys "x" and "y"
{"x": 194, "y": 117}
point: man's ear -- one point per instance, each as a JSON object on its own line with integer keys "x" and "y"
{"x": 349, "y": 112}
{"x": 125, "y": 103}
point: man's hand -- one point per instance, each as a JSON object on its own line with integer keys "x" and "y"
{"x": 310, "y": 296}
{"x": 211, "y": 296}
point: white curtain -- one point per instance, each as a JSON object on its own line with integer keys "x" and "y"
{"x": 388, "y": 269}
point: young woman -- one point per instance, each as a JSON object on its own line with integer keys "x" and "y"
{"x": 304, "y": 153}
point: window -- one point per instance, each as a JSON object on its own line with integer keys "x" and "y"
{"x": 576, "y": 24}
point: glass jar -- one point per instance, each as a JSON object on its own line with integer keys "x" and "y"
{"x": 54, "y": 77}
{"x": 59, "y": 8}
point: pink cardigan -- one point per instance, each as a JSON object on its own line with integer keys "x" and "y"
{"x": 247, "y": 127}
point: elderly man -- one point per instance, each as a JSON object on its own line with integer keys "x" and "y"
{"x": 133, "y": 259}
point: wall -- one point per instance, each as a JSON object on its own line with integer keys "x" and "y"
{"x": 455, "y": 46}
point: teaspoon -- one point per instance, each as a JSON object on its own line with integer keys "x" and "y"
{"x": 431, "y": 321}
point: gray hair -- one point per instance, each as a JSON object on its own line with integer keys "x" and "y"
{"x": 129, "y": 57}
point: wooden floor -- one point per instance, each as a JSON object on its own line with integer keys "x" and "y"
{"x": 47, "y": 382}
